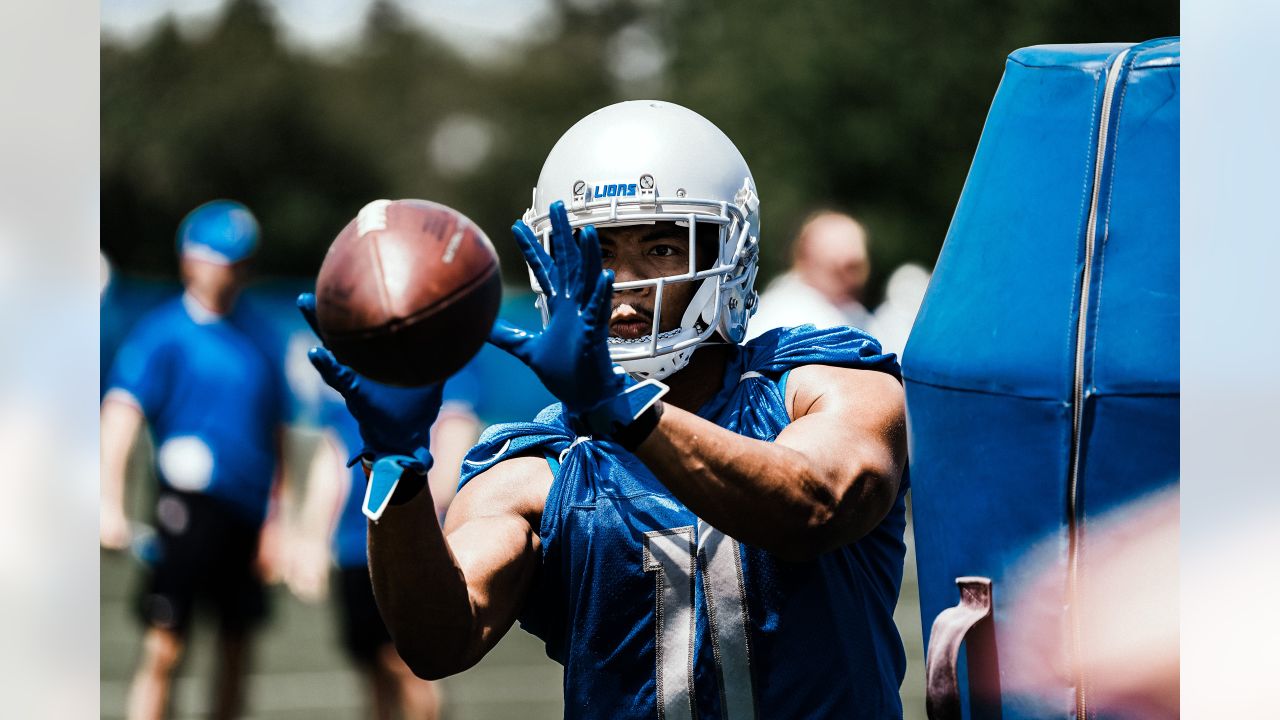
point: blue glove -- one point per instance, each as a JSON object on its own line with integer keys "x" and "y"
{"x": 571, "y": 355}
{"x": 395, "y": 423}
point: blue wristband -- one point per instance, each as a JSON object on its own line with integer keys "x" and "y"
{"x": 393, "y": 480}
{"x": 620, "y": 412}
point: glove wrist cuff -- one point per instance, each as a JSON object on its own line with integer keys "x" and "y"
{"x": 393, "y": 480}
{"x": 628, "y": 417}
{"x": 630, "y": 436}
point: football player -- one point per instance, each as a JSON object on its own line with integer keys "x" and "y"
{"x": 700, "y": 527}
{"x": 213, "y": 402}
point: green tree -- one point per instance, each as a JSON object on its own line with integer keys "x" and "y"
{"x": 874, "y": 108}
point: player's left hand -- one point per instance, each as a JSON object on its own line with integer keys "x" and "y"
{"x": 392, "y": 420}
{"x": 571, "y": 355}
{"x": 395, "y": 423}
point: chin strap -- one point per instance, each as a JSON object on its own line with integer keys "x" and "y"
{"x": 666, "y": 362}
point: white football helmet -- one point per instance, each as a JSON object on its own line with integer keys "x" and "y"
{"x": 647, "y": 161}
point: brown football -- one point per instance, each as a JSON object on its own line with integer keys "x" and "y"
{"x": 408, "y": 292}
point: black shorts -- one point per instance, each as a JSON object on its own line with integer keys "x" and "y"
{"x": 363, "y": 631}
{"x": 206, "y": 554}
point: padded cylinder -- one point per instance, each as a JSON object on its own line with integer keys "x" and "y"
{"x": 1073, "y": 193}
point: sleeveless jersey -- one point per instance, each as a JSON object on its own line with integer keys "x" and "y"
{"x": 654, "y": 613}
{"x": 212, "y": 400}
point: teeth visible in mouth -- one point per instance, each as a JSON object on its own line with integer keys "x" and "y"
{"x": 632, "y": 341}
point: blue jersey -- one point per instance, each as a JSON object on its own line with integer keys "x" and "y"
{"x": 212, "y": 401}
{"x": 653, "y": 612}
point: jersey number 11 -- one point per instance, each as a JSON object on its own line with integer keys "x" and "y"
{"x": 674, "y": 555}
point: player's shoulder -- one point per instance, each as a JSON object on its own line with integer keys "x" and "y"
{"x": 254, "y": 317}
{"x": 545, "y": 436}
{"x": 813, "y": 387}
{"x": 782, "y": 339}
{"x": 167, "y": 311}
{"x": 147, "y": 349}
{"x": 515, "y": 471}
{"x": 783, "y": 349}
{"x": 159, "y": 323}
{"x": 515, "y": 485}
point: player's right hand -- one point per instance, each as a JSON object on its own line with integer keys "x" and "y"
{"x": 113, "y": 529}
{"x": 394, "y": 421}
{"x": 571, "y": 354}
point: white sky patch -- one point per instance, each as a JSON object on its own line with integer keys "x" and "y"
{"x": 637, "y": 58}
{"x": 132, "y": 19}
{"x": 478, "y": 31}
{"x": 321, "y": 23}
{"x": 460, "y": 144}
{"x": 588, "y": 5}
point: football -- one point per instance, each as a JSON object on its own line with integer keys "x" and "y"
{"x": 408, "y": 292}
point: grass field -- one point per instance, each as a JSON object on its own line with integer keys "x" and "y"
{"x": 300, "y": 673}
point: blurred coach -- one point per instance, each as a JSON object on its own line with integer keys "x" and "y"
{"x": 824, "y": 287}
{"x": 213, "y": 404}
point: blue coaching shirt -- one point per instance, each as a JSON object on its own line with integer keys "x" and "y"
{"x": 653, "y": 612}
{"x": 349, "y": 537}
{"x": 211, "y": 398}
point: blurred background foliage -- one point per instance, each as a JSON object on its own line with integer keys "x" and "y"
{"x": 870, "y": 107}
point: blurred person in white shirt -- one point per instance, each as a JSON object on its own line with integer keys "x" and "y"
{"x": 824, "y": 287}
{"x": 891, "y": 323}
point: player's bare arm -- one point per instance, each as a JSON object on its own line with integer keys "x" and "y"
{"x": 449, "y": 595}
{"x": 828, "y": 479}
{"x": 446, "y": 597}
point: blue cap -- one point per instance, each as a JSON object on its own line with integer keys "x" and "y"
{"x": 221, "y": 231}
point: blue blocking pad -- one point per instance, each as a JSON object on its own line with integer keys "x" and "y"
{"x": 1054, "y": 302}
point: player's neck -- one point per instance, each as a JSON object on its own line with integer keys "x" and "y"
{"x": 700, "y": 380}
